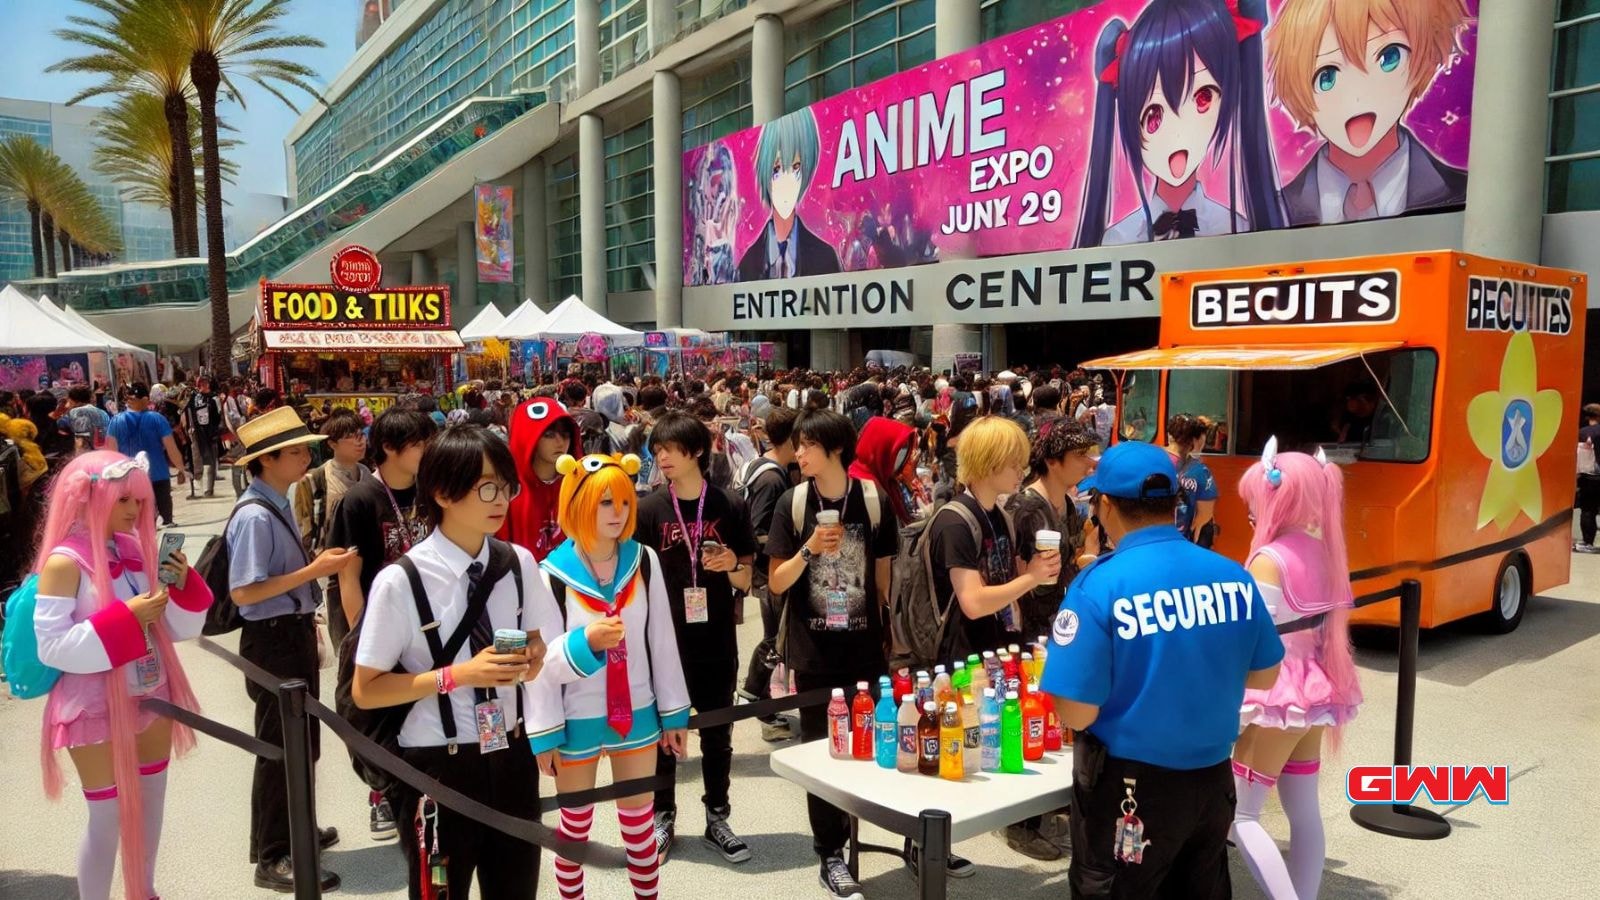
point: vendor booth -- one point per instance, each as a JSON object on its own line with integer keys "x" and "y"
{"x": 484, "y": 356}
{"x": 1444, "y": 384}
{"x": 42, "y": 347}
{"x": 351, "y": 348}
{"x": 570, "y": 333}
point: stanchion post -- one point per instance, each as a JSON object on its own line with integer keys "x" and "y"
{"x": 304, "y": 851}
{"x": 935, "y": 853}
{"x": 1402, "y": 819}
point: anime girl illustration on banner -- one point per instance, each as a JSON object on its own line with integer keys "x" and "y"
{"x": 1180, "y": 90}
{"x": 714, "y": 208}
{"x": 786, "y": 161}
{"x": 1349, "y": 71}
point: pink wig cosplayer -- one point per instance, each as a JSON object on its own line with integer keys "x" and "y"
{"x": 1308, "y": 495}
{"x": 80, "y": 506}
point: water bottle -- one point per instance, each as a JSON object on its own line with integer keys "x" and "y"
{"x": 905, "y": 752}
{"x": 838, "y": 726}
{"x": 1011, "y": 735}
{"x": 861, "y": 723}
{"x": 989, "y": 732}
{"x": 886, "y": 727}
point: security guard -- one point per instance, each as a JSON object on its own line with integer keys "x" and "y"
{"x": 1151, "y": 652}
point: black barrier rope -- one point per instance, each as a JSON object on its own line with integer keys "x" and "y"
{"x": 225, "y": 733}
{"x": 1313, "y": 621}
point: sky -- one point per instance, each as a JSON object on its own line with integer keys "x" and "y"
{"x": 31, "y": 47}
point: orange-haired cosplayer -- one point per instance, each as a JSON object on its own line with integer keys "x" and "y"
{"x": 636, "y": 697}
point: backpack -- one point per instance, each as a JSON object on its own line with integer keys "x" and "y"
{"x": 797, "y": 513}
{"x": 746, "y": 477}
{"x": 319, "y": 509}
{"x": 383, "y": 725}
{"x": 223, "y": 616}
{"x": 918, "y": 625}
{"x": 26, "y": 675}
{"x": 592, "y": 431}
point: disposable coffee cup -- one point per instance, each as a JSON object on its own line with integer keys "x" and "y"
{"x": 510, "y": 640}
{"x": 1045, "y": 539}
{"x": 827, "y": 518}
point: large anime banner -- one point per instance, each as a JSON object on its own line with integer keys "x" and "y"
{"x": 1130, "y": 121}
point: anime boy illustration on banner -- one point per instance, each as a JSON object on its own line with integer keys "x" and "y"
{"x": 786, "y": 160}
{"x": 1349, "y": 71}
{"x": 1183, "y": 82}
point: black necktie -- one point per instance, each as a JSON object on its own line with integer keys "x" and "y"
{"x": 783, "y": 259}
{"x": 1183, "y": 223}
{"x": 482, "y": 630}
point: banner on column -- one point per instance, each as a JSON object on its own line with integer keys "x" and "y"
{"x": 493, "y": 230}
{"x": 1126, "y": 122}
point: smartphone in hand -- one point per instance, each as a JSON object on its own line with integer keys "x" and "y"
{"x": 171, "y": 542}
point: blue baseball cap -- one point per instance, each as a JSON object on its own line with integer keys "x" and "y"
{"x": 1134, "y": 470}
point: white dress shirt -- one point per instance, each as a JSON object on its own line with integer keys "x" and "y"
{"x": 1389, "y": 184}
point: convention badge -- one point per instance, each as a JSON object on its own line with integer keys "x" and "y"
{"x": 838, "y": 611}
{"x": 1129, "y": 843}
{"x": 146, "y": 674}
{"x": 491, "y": 727}
{"x": 1008, "y": 618}
{"x": 695, "y": 611}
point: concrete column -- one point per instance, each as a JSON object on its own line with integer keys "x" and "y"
{"x": 421, "y": 268}
{"x": 535, "y": 232}
{"x": 586, "y": 43}
{"x": 766, "y": 70}
{"x": 1510, "y": 121}
{"x": 957, "y": 26}
{"x": 667, "y": 136}
{"x": 464, "y": 304}
{"x": 663, "y": 23}
{"x": 592, "y": 209}
{"x": 948, "y": 340}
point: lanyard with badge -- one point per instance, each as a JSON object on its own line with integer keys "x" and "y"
{"x": 1129, "y": 843}
{"x": 1007, "y": 613}
{"x": 400, "y": 517}
{"x": 695, "y": 611}
{"x": 145, "y": 674}
{"x": 837, "y": 613}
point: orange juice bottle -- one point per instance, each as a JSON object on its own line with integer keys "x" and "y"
{"x": 951, "y": 737}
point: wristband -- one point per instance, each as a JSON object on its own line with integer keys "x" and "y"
{"x": 446, "y": 679}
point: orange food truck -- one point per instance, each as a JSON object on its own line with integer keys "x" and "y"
{"x": 1445, "y": 384}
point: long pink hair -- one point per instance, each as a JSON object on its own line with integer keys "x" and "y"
{"x": 1309, "y": 494}
{"x": 80, "y": 507}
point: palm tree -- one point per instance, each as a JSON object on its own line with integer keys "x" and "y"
{"x": 135, "y": 48}
{"x": 136, "y": 152}
{"x": 79, "y": 218}
{"x": 26, "y": 170}
{"x": 228, "y": 39}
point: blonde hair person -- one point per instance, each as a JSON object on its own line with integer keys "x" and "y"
{"x": 990, "y": 445}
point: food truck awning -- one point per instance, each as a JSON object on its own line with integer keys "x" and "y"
{"x": 1256, "y": 356}
{"x": 355, "y": 340}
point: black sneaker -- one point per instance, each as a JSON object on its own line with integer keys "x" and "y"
{"x": 666, "y": 833}
{"x": 382, "y": 816}
{"x": 955, "y": 867}
{"x": 327, "y": 837}
{"x": 720, "y": 837}
{"x": 836, "y": 879}
{"x": 278, "y": 875}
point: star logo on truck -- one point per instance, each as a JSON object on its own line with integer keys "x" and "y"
{"x": 1512, "y": 427}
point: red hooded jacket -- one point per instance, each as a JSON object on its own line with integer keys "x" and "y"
{"x": 531, "y": 521}
{"x": 878, "y": 459}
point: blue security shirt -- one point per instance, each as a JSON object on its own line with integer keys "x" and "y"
{"x": 1160, "y": 635}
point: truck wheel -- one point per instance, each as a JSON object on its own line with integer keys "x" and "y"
{"x": 1512, "y": 588}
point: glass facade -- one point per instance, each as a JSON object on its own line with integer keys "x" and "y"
{"x": 630, "y": 210}
{"x": 624, "y": 36}
{"x": 466, "y": 48}
{"x": 852, "y": 44}
{"x": 1573, "y": 161}
{"x": 1005, "y": 16}
{"x": 716, "y": 103}
{"x": 565, "y": 241}
{"x": 16, "y": 240}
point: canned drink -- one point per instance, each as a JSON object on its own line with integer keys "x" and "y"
{"x": 510, "y": 640}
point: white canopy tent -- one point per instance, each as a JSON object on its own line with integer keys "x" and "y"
{"x": 483, "y": 325}
{"x": 29, "y": 329}
{"x": 572, "y": 320}
{"x": 114, "y": 344}
{"x": 523, "y": 323}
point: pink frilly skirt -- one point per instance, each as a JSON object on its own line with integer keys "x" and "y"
{"x": 1305, "y": 695}
{"x": 76, "y": 713}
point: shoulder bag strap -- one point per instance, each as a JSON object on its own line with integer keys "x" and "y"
{"x": 869, "y": 493}
{"x": 430, "y": 631}
{"x": 797, "y": 508}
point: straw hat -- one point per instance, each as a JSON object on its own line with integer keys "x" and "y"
{"x": 273, "y": 431}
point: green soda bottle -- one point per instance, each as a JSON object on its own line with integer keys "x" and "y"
{"x": 961, "y": 679}
{"x": 1011, "y": 735}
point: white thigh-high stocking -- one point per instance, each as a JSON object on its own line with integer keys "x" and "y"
{"x": 97, "y": 855}
{"x": 1257, "y": 847}
{"x": 1297, "y": 790}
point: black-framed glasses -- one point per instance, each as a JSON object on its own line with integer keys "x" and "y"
{"x": 490, "y": 491}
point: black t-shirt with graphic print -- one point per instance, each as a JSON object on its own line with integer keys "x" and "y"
{"x": 811, "y": 646}
{"x": 952, "y": 546}
{"x": 724, "y": 521}
{"x": 366, "y": 520}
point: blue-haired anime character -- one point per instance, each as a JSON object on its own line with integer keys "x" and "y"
{"x": 1184, "y": 81}
{"x": 786, "y": 158}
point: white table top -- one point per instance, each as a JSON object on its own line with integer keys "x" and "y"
{"x": 893, "y": 800}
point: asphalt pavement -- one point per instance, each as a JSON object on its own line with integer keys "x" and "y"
{"x": 1525, "y": 700}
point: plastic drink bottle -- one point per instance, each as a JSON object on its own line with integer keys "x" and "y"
{"x": 980, "y": 680}
{"x": 951, "y": 740}
{"x": 1011, "y": 735}
{"x": 885, "y": 729}
{"x": 838, "y": 726}
{"x": 971, "y": 735}
{"x": 924, "y": 689}
{"x": 1041, "y": 651}
{"x": 928, "y": 741}
{"x": 1032, "y": 727}
{"x": 1015, "y": 650}
{"x": 1013, "y": 674}
{"x": 961, "y": 679}
{"x": 989, "y": 732}
{"x": 903, "y": 684}
{"x": 942, "y": 691}
{"x": 905, "y": 751}
{"x": 1052, "y": 729}
{"x": 885, "y": 689}
{"x": 861, "y": 723}
{"x": 974, "y": 666}
{"x": 991, "y": 667}
{"x": 1029, "y": 670}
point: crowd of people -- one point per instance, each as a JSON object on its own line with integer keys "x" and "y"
{"x": 546, "y": 577}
